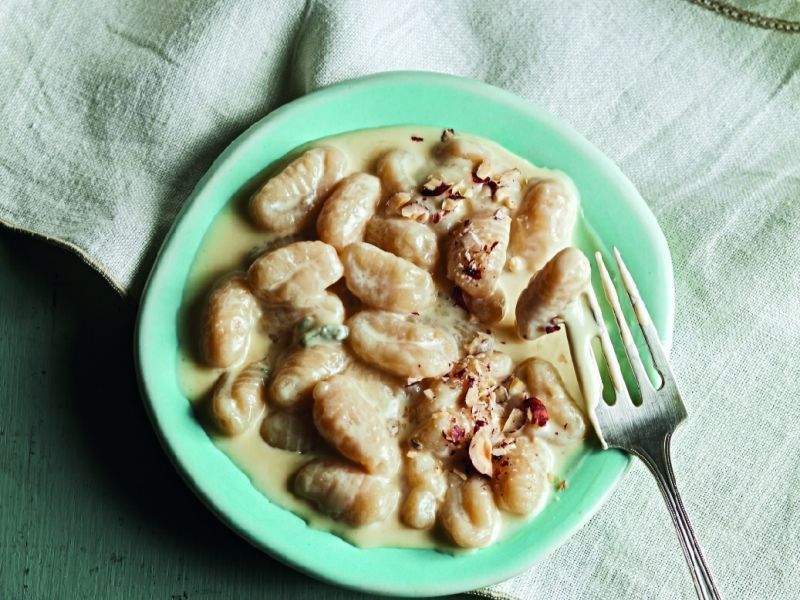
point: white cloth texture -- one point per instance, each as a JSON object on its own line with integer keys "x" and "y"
{"x": 110, "y": 112}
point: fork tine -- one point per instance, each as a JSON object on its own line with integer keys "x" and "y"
{"x": 645, "y": 322}
{"x": 614, "y": 370}
{"x": 639, "y": 372}
{"x": 587, "y": 368}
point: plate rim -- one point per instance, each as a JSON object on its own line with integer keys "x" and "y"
{"x": 148, "y": 307}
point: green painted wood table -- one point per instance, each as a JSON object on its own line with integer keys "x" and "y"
{"x": 90, "y": 507}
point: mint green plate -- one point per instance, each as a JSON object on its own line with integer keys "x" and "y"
{"x": 611, "y": 206}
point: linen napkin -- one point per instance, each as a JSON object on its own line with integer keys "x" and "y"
{"x": 112, "y": 111}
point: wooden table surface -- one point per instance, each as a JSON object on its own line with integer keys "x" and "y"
{"x": 90, "y": 507}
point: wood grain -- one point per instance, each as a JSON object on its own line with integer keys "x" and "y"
{"x": 90, "y": 507}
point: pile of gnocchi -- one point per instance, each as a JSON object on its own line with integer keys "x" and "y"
{"x": 395, "y": 305}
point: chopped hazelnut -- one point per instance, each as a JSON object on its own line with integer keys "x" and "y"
{"x": 480, "y": 451}
{"x": 397, "y": 202}
{"x": 415, "y": 212}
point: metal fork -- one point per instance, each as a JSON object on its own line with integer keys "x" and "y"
{"x": 646, "y": 430}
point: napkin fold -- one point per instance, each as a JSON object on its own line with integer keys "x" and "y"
{"x": 112, "y": 111}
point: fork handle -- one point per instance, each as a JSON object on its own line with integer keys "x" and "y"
{"x": 658, "y": 460}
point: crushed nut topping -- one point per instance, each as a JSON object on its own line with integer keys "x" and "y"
{"x": 482, "y": 342}
{"x": 449, "y": 204}
{"x": 429, "y": 190}
{"x": 397, "y": 202}
{"x": 473, "y": 272}
{"x": 537, "y": 412}
{"x": 483, "y": 172}
{"x": 455, "y": 435}
{"x": 480, "y": 451}
{"x": 509, "y": 187}
{"x": 415, "y": 212}
{"x": 515, "y": 421}
{"x": 504, "y": 447}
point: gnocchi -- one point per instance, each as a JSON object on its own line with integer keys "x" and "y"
{"x": 238, "y": 398}
{"x": 489, "y": 309}
{"x": 458, "y": 147}
{"x": 476, "y": 253}
{"x": 382, "y": 280}
{"x": 294, "y": 381}
{"x": 469, "y": 513}
{"x": 407, "y": 239}
{"x": 419, "y": 508}
{"x": 345, "y": 213}
{"x": 401, "y": 346}
{"x": 325, "y": 309}
{"x": 544, "y": 383}
{"x": 350, "y": 423}
{"x": 550, "y": 290}
{"x": 520, "y": 480}
{"x": 394, "y": 170}
{"x": 289, "y": 431}
{"x": 444, "y": 432}
{"x": 230, "y": 318}
{"x": 345, "y": 492}
{"x": 296, "y": 274}
{"x": 288, "y": 201}
{"x": 374, "y": 364}
{"x": 543, "y": 225}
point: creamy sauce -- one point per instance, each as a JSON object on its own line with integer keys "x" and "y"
{"x": 231, "y": 244}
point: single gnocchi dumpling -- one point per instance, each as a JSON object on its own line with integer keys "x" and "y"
{"x": 419, "y": 508}
{"x": 469, "y": 513}
{"x": 509, "y": 189}
{"x": 476, "y": 252}
{"x": 394, "y": 169}
{"x": 498, "y": 364}
{"x": 238, "y": 399}
{"x": 444, "y": 433}
{"x": 382, "y": 280}
{"x": 425, "y": 470}
{"x": 296, "y": 377}
{"x": 350, "y": 422}
{"x": 400, "y": 345}
{"x": 549, "y": 291}
{"x": 566, "y": 422}
{"x": 296, "y": 274}
{"x": 325, "y": 309}
{"x": 489, "y": 309}
{"x": 289, "y": 200}
{"x": 230, "y": 317}
{"x": 405, "y": 238}
{"x": 458, "y": 147}
{"x": 386, "y": 392}
{"x": 345, "y": 492}
{"x": 427, "y": 486}
{"x": 289, "y": 431}
{"x": 543, "y": 224}
{"x": 345, "y": 213}
{"x": 519, "y": 479}
{"x": 441, "y": 394}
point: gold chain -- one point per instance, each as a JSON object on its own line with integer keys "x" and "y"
{"x": 751, "y": 18}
